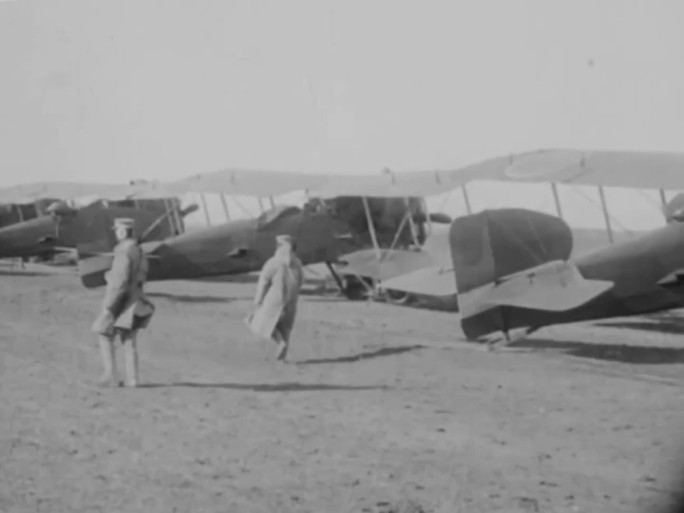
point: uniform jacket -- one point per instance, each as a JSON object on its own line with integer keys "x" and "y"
{"x": 277, "y": 294}
{"x": 125, "y": 305}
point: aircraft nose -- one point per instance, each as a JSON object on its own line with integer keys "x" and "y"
{"x": 27, "y": 238}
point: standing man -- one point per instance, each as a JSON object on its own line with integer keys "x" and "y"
{"x": 276, "y": 296}
{"x": 125, "y": 308}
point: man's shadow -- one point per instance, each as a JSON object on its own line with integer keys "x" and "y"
{"x": 266, "y": 387}
{"x": 379, "y": 353}
{"x": 187, "y": 298}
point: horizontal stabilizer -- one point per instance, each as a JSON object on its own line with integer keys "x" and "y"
{"x": 554, "y": 286}
{"x": 430, "y": 281}
{"x": 92, "y": 270}
{"x": 95, "y": 260}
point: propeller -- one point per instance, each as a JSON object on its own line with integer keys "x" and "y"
{"x": 60, "y": 209}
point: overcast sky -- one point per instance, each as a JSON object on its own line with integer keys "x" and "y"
{"x": 112, "y": 90}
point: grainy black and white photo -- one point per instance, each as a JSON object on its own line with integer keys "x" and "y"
{"x": 361, "y": 256}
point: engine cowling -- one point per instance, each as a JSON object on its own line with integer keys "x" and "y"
{"x": 674, "y": 210}
{"x": 60, "y": 209}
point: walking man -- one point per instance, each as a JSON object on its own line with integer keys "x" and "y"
{"x": 277, "y": 295}
{"x": 125, "y": 308}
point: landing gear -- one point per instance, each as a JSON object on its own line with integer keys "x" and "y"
{"x": 351, "y": 287}
{"x": 362, "y": 288}
{"x": 397, "y": 297}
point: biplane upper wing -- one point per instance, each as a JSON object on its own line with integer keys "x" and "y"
{"x": 257, "y": 183}
{"x": 392, "y": 185}
{"x": 26, "y": 193}
{"x": 603, "y": 168}
{"x": 630, "y": 169}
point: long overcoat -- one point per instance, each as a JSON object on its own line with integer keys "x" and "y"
{"x": 125, "y": 307}
{"x": 277, "y": 295}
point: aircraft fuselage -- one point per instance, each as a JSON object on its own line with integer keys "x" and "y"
{"x": 244, "y": 246}
{"x": 637, "y": 268}
{"x": 48, "y": 235}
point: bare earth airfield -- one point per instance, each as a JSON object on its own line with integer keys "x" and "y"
{"x": 383, "y": 408}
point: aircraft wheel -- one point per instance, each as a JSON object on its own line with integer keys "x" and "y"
{"x": 397, "y": 297}
{"x": 353, "y": 289}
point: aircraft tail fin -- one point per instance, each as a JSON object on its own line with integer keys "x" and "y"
{"x": 513, "y": 258}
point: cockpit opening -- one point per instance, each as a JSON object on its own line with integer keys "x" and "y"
{"x": 276, "y": 213}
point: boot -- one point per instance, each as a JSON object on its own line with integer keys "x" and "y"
{"x": 281, "y": 355}
{"x": 281, "y": 345}
{"x": 131, "y": 360}
{"x": 107, "y": 352}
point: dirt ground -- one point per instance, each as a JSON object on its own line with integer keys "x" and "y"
{"x": 383, "y": 405}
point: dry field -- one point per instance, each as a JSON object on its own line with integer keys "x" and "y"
{"x": 382, "y": 406}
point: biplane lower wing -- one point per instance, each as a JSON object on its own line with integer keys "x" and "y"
{"x": 386, "y": 265}
{"x": 435, "y": 280}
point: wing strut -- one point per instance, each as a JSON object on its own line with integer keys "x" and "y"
{"x": 206, "y": 210}
{"x": 170, "y": 214}
{"x": 371, "y": 227}
{"x": 606, "y": 216}
{"x": 556, "y": 199}
{"x": 336, "y": 277}
{"x": 412, "y": 224}
{"x": 224, "y": 203}
{"x": 467, "y": 199}
{"x": 663, "y": 198}
{"x": 168, "y": 205}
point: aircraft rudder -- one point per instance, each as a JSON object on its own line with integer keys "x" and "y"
{"x": 494, "y": 244}
{"x": 474, "y": 270}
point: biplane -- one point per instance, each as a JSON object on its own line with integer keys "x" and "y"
{"x": 325, "y": 233}
{"x": 64, "y": 226}
{"x": 512, "y": 268}
{"x": 235, "y": 247}
{"x": 414, "y": 269}
{"x": 18, "y": 212}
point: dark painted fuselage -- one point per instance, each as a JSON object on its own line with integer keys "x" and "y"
{"x": 636, "y": 267}
{"x": 244, "y": 246}
{"x": 47, "y": 235}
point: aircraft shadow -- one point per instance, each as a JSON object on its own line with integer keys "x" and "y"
{"x": 275, "y": 387}
{"x": 234, "y": 278}
{"x": 20, "y": 272}
{"x": 645, "y": 355}
{"x": 671, "y": 326}
{"x": 312, "y": 297}
{"x": 186, "y": 298}
{"x": 330, "y": 293}
{"x": 385, "y": 351}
